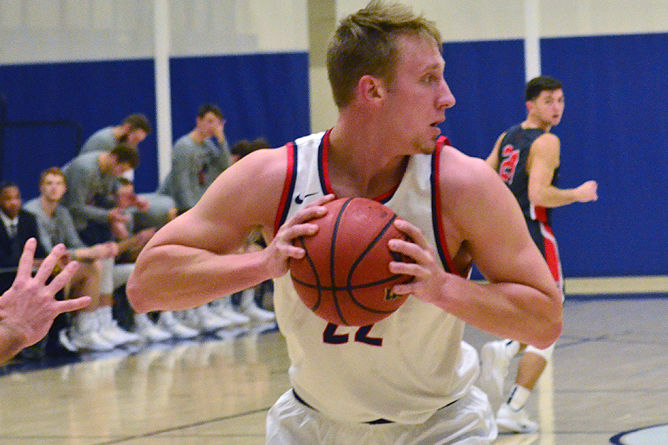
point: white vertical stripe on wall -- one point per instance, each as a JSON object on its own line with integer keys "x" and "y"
{"x": 532, "y": 66}
{"x": 162, "y": 87}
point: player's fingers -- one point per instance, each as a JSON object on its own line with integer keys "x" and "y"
{"x": 64, "y": 277}
{"x": 322, "y": 200}
{"x": 72, "y": 305}
{"x": 409, "y": 249}
{"x": 411, "y": 231}
{"x": 412, "y": 269}
{"x": 27, "y": 257}
{"x": 49, "y": 263}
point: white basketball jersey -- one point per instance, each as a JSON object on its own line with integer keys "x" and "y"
{"x": 402, "y": 368}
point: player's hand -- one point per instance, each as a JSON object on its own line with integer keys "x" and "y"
{"x": 588, "y": 191}
{"x": 104, "y": 250}
{"x": 119, "y": 230}
{"x": 144, "y": 235}
{"x": 141, "y": 203}
{"x": 116, "y": 215}
{"x": 28, "y": 308}
{"x": 282, "y": 247}
{"x": 427, "y": 272}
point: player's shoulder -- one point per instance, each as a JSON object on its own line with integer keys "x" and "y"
{"x": 459, "y": 170}
{"x": 546, "y": 139}
{"x": 546, "y": 145}
{"x": 267, "y": 165}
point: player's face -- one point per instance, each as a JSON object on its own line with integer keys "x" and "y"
{"x": 134, "y": 137}
{"x": 120, "y": 168}
{"x": 208, "y": 124}
{"x": 10, "y": 201}
{"x": 53, "y": 187}
{"x": 419, "y": 95}
{"x": 548, "y": 107}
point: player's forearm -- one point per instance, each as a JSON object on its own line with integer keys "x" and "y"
{"x": 507, "y": 310}
{"x": 551, "y": 196}
{"x": 170, "y": 277}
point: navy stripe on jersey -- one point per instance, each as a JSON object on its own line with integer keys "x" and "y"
{"x": 289, "y": 187}
{"x": 439, "y": 232}
{"x": 323, "y": 152}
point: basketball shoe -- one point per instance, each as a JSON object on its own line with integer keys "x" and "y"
{"x": 250, "y": 308}
{"x": 83, "y": 335}
{"x": 204, "y": 320}
{"x": 510, "y": 421}
{"x": 110, "y": 331}
{"x": 148, "y": 330}
{"x": 168, "y": 322}
{"x": 223, "y": 308}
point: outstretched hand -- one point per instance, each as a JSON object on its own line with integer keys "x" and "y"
{"x": 28, "y": 308}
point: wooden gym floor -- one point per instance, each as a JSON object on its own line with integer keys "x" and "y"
{"x": 608, "y": 384}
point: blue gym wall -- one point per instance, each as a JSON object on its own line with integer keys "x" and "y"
{"x": 615, "y": 128}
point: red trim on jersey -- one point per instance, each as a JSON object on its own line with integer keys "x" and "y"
{"x": 440, "y": 231}
{"x": 540, "y": 213}
{"x": 287, "y": 186}
{"x": 551, "y": 253}
{"x": 325, "y": 163}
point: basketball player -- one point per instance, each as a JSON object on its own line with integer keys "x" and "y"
{"x": 409, "y": 377}
{"x": 526, "y": 157}
{"x": 28, "y": 308}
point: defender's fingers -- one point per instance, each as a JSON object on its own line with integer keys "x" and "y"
{"x": 27, "y": 257}
{"x": 47, "y": 266}
{"x": 72, "y": 305}
{"x": 63, "y": 277}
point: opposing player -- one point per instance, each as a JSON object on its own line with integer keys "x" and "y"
{"x": 408, "y": 377}
{"x": 526, "y": 156}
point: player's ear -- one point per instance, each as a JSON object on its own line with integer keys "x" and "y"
{"x": 371, "y": 88}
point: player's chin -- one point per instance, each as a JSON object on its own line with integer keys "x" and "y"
{"x": 428, "y": 147}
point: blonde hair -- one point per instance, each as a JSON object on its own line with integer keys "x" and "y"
{"x": 365, "y": 43}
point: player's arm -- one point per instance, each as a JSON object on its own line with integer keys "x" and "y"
{"x": 196, "y": 258}
{"x": 543, "y": 161}
{"x": 521, "y": 300}
{"x": 493, "y": 158}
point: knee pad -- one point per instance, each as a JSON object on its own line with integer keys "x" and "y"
{"x": 545, "y": 353}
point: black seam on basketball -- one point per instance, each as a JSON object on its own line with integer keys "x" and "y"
{"x": 332, "y": 263}
{"x": 315, "y": 274}
{"x": 350, "y": 288}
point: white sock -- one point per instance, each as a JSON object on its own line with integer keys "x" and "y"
{"x": 518, "y": 397}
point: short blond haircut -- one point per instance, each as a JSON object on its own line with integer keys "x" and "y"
{"x": 365, "y": 44}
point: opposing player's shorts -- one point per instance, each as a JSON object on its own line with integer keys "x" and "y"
{"x": 544, "y": 238}
{"x": 468, "y": 421}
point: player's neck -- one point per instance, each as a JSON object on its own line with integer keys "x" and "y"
{"x": 362, "y": 166}
{"x": 49, "y": 206}
{"x": 532, "y": 122}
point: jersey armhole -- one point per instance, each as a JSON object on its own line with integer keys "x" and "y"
{"x": 441, "y": 243}
{"x": 288, "y": 186}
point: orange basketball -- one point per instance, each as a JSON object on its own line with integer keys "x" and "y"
{"x": 344, "y": 276}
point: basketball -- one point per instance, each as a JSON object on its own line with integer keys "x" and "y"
{"x": 344, "y": 277}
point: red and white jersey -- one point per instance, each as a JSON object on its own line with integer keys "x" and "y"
{"x": 402, "y": 368}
